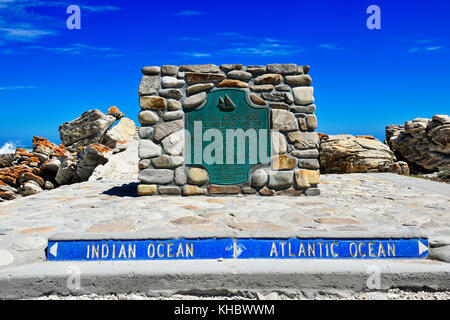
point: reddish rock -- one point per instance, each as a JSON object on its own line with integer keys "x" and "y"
{"x": 266, "y": 192}
{"x": 197, "y": 77}
{"x": 115, "y": 112}
{"x": 224, "y": 189}
{"x": 290, "y": 192}
{"x": 229, "y": 83}
{"x": 43, "y": 146}
{"x": 257, "y": 100}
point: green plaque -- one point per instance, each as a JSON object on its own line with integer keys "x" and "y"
{"x": 227, "y": 136}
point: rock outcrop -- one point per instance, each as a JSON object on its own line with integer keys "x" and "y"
{"x": 31, "y": 172}
{"x": 350, "y": 154}
{"x": 88, "y": 129}
{"x": 6, "y": 160}
{"x": 423, "y": 143}
{"x": 49, "y": 166}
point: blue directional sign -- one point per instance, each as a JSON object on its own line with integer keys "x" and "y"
{"x": 192, "y": 249}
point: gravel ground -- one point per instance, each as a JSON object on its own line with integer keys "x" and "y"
{"x": 393, "y": 294}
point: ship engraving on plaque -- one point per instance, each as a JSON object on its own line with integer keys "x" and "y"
{"x": 227, "y": 136}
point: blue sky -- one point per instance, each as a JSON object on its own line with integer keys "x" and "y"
{"x": 364, "y": 79}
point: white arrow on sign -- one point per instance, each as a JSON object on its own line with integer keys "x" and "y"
{"x": 54, "y": 249}
{"x": 422, "y": 248}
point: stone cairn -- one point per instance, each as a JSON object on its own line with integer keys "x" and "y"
{"x": 165, "y": 92}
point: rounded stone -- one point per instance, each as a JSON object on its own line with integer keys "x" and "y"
{"x": 146, "y": 189}
{"x": 145, "y": 132}
{"x": 29, "y": 244}
{"x": 283, "y": 162}
{"x": 305, "y": 178}
{"x": 270, "y": 78}
{"x": 194, "y": 191}
{"x": 167, "y": 162}
{"x": 230, "y": 83}
{"x": 308, "y": 163}
{"x": 173, "y": 105}
{"x": 148, "y": 117}
{"x": 195, "y": 100}
{"x": 262, "y": 88}
{"x": 197, "y": 176}
{"x": 231, "y": 67}
{"x": 239, "y": 75}
{"x": 148, "y": 149}
{"x": 300, "y": 80}
{"x": 169, "y": 190}
{"x": 173, "y": 115}
{"x": 279, "y": 180}
{"x": 156, "y": 176}
{"x": 289, "y": 68}
{"x": 255, "y": 70}
{"x": 171, "y": 82}
{"x": 169, "y": 70}
{"x": 259, "y": 178}
{"x": 283, "y": 88}
{"x": 311, "y": 121}
{"x": 174, "y": 143}
{"x": 283, "y": 120}
{"x": 180, "y": 176}
{"x": 143, "y": 164}
{"x": 257, "y": 100}
{"x": 6, "y": 258}
{"x": 196, "y": 88}
{"x": 279, "y": 145}
{"x": 171, "y": 93}
{"x": 151, "y": 71}
{"x": 303, "y": 95}
{"x": 304, "y": 109}
{"x": 152, "y": 103}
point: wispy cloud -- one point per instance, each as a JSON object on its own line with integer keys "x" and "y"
{"x": 330, "y": 46}
{"x": 195, "y": 54}
{"x": 79, "y": 48}
{"x": 99, "y": 8}
{"x": 191, "y": 39}
{"x": 16, "y": 87}
{"x": 425, "y": 49}
{"x": 24, "y": 33}
{"x": 188, "y": 13}
{"x": 435, "y": 48}
{"x": 235, "y": 35}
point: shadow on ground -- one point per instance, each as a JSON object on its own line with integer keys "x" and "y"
{"x": 125, "y": 190}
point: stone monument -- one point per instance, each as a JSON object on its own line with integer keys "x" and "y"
{"x": 233, "y": 129}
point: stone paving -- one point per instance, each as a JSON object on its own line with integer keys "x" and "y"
{"x": 349, "y": 204}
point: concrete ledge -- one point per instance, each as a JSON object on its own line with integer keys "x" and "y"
{"x": 380, "y": 234}
{"x": 227, "y": 276}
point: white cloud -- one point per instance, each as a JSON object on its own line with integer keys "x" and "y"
{"x": 195, "y": 54}
{"x": 435, "y": 48}
{"x": 24, "y": 34}
{"x": 81, "y": 49}
{"x": 16, "y": 88}
{"x": 425, "y": 49}
{"x": 188, "y": 13}
{"x": 233, "y": 35}
{"x": 330, "y": 46}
